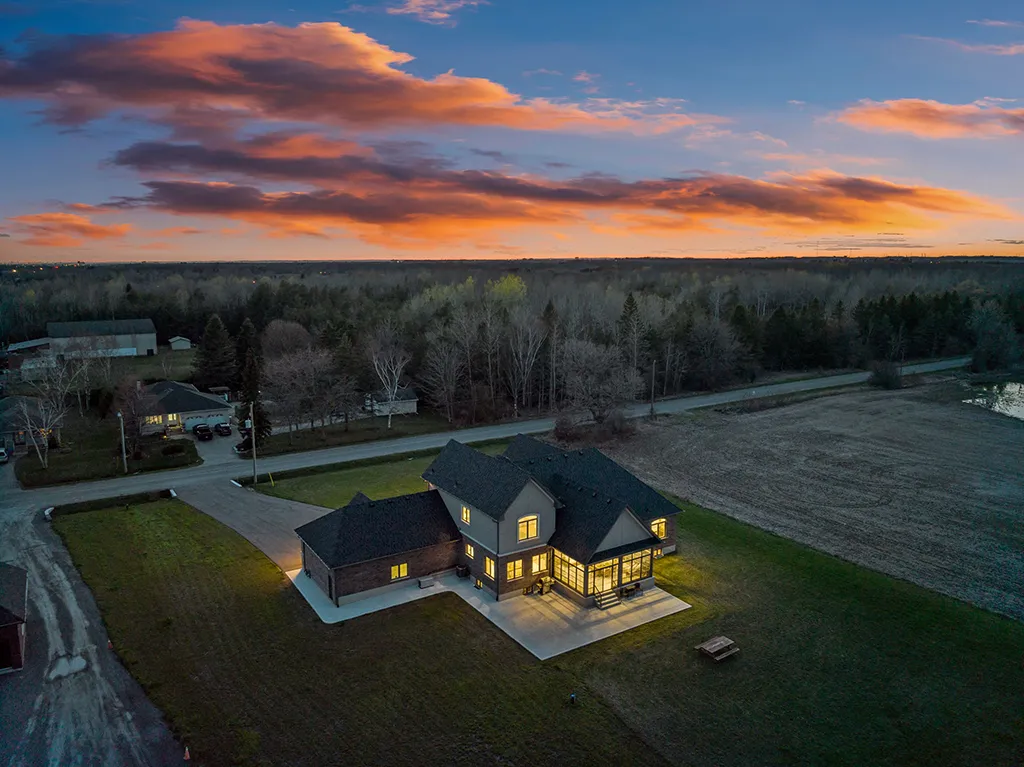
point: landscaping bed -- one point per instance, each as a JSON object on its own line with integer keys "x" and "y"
{"x": 359, "y": 430}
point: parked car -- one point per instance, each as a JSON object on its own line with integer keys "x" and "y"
{"x": 4, "y": 457}
{"x": 202, "y": 432}
{"x": 244, "y": 447}
{"x": 223, "y": 429}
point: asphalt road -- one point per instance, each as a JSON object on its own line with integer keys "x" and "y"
{"x": 74, "y": 703}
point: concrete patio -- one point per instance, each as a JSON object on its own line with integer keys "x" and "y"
{"x": 547, "y": 625}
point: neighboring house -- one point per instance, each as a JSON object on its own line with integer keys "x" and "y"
{"x": 180, "y": 344}
{"x": 13, "y": 612}
{"x": 575, "y": 518}
{"x": 405, "y": 402}
{"x": 173, "y": 406}
{"x": 12, "y": 431}
{"x": 102, "y": 338}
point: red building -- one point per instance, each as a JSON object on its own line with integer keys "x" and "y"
{"x": 13, "y": 609}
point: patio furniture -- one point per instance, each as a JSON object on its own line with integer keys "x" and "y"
{"x": 718, "y": 648}
{"x": 633, "y": 590}
{"x": 545, "y": 584}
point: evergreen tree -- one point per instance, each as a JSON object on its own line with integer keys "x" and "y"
{"x": 214, "y": 364}
{"x": 249, "y": 394}
{"x": 247, "y": 341}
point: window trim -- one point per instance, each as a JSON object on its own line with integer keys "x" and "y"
{"x": 527, "y": 518}
{"x": 470, "y": 551}
{"x": 534, "y": 570}
{"x": 466, "y": 514}
{"x": 396, "y": 571}
{"x": 510, "y": 569}
{"x": 661, "y": 523}
{"x": 490, "y": 569}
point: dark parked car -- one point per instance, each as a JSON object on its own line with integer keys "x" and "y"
{"x": 223, "y": 429}
{"x": 202, "y": 432}
{"x": 244, "y": 447}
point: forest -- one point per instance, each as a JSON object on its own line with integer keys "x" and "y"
{"x": 483, "y": 341}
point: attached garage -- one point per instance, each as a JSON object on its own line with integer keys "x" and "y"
{"x": 171, "y": 406}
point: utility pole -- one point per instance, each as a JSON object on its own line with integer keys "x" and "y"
{"x": 252, "y": 439}
{"x": 654, "y": 365}
{"x": 124, "y": 454}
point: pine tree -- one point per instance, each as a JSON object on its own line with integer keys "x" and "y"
{"x": 214, "y": 364}
{"x": 249, "y": 394}
{"x": 247, "y": 341}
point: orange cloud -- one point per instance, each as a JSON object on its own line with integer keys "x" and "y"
{"x": 203, "y": 78}
{"x": 994, "y": 49}
{"x": 434, "y": 11}
{"x": 934, "y": 119}
{"x": 62, "y": 230}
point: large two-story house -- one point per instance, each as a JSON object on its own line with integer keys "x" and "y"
{"x": 572, "y": 517}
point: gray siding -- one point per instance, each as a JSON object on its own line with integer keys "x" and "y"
{"x": 532, "y": 500}
{"x": 481, "y": 528}
{"x": 625, "y": 530}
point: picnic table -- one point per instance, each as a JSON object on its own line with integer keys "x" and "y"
{"x": 718, "y": 648}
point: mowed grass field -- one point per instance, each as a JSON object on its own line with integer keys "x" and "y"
{"x": 839, "y": 665}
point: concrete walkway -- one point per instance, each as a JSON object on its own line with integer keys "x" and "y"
{"x": 268, "y": 523}
{"x": 547, "y": 625}
{"x": 178, "y": 478}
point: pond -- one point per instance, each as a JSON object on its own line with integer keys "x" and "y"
{"x": 1005, "y": 398}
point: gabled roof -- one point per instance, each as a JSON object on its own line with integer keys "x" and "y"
{"x": 485, "y": 482}
{"x": 592, "y": 468}
{"x": 23, "y": 345}
{"x": 404, "y": 394}
{"x": 178, "y": 338}
{"x": 366, "y": 530}
{"x": 99, "y": 328}
{"x": 586, "y": 517}
{"x": 176, "y": 397}
{"x": 13, "y": 601}
{"x": 523, "y": 448}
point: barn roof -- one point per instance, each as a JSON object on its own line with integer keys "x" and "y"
{"x": 99, "y": 328}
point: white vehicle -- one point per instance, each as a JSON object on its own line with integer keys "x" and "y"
{"x": 4, "y": 457}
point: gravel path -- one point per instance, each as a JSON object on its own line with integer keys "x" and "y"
{"x": 928, "y": 491}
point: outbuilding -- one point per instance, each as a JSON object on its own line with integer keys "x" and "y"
{"x": 180, "y": 344}
{"x": 13, "y": 613}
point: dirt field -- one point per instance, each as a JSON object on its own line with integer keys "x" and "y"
{"x": 912, "y": 483}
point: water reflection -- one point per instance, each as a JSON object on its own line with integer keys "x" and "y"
{"x": 1005, "y": 398}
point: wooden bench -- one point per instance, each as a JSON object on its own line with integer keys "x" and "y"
{"x": 718, "y": 648}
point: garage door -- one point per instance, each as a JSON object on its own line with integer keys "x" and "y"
{"x": 209, "y": 418}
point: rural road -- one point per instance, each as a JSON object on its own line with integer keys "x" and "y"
{"x": 97, "y": 714}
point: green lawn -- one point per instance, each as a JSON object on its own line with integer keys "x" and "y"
{"x": 92, "y": 450}
{"x": 361, "y": 430}
{"x": 165, "y": 365}
{"x": 378, "y": 480}
{"x": 247, "y": 673}
{"x": 839, "y": 665}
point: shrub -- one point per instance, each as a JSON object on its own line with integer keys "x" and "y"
{"x": 565, "y": 429}
{"x": 886, "y": 375}
{"x": 173, "y": 449}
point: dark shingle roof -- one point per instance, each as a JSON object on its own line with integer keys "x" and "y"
{"x": 366, "y": 529}
{"x": 12, "y": 595}
{"x": 99, "y": 328}
{"x": 523, "y": 448}
{"x": 485, "y": 482}
{"x": 586, "y": 517}
{"x": 592, "y": 468}
{"x": 175, "y": 397}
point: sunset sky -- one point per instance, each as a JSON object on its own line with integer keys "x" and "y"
{"x": 157, "y": 130}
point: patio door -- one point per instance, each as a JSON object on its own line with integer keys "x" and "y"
{"x": 604, "y": 576}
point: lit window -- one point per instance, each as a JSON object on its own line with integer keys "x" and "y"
{"x": 400, "y": 571}
{"x": 636, "y": 566}
{"x": 568, "y": 571}
{"x": 150, "y": 420}
{"x": 528, "y": 527}
{"x": 465, "y": 514}
{"x": 489, "y": 567}
{"x": 470, "y": 551}
{"x": 658, "y": 528}
{"x": 540, "y": 563}
{"x": 514, "y": 570}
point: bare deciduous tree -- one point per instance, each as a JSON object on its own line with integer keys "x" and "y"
{"x": 597, "y": 378}
{"x": 714, "y": 352}
{"x": 465, "y": 330}
{"x": 282, "y": 337}
{"x": 42, "y": 415}
{"x": 389, "y": 360}
{"x": 525, "y": 336}
{"x": 130, "y": 400}
{"x": 443, "y": 370}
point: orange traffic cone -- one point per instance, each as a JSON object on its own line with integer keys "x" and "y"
{"x": 188, "y": 757}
